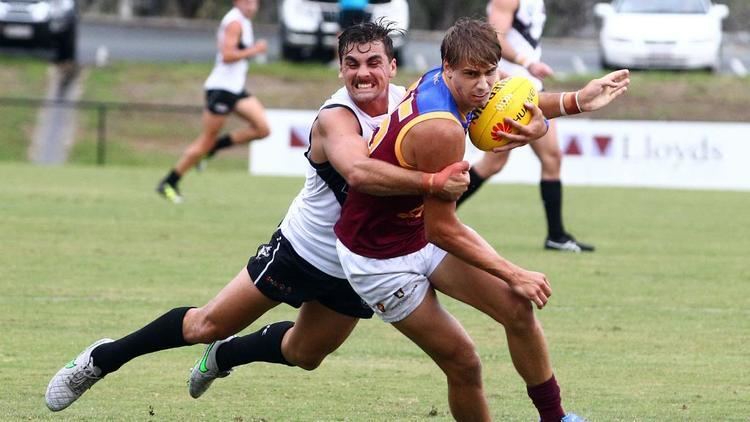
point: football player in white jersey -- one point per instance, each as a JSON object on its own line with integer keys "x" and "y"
{"x": 299, "y": 265}
{"x": 519, "y": 24}
{"x": 225, "y": 94}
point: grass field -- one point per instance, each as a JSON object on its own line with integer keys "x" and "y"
{"x": 654, "y": 326}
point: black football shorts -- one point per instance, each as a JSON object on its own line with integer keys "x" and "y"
{"x": 282, "y": 275}
{"x": 222, "y": 102}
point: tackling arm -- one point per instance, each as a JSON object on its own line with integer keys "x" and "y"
{"x": 336, "y": 139}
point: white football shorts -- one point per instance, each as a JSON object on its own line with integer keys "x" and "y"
{"x": 392, "y": 287}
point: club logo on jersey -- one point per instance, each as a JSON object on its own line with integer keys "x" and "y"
{"x": 380, "y": 307}
{"x": 264, "y": 251}
{"x": 415, "y": 213}
{"x": 436, "y": 78}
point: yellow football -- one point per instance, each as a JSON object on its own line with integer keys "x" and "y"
{"x": 507, "y": 99}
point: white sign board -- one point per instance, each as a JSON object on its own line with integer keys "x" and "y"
{"x": 282, "y": 153}
{"x": 689, "y": 155}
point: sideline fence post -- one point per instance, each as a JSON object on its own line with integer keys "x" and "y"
{"x": 101, "y": 148}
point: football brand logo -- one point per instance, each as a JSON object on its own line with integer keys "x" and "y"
{"x": 505, "y": 127}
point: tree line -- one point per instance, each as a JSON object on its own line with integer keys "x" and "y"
{"x": 565, "y": 17}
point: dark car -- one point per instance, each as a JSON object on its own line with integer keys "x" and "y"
{"x": 50, "y": 24}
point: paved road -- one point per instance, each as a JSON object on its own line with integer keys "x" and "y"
{"x": 186, "y": 41}
{"x": 160, "y": 41}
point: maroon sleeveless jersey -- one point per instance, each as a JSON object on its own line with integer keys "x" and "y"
{"x": 384, "y": 227}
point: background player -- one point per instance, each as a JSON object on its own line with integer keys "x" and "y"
{"x": 225, "y": 93}
{"x": 519, "y": 25}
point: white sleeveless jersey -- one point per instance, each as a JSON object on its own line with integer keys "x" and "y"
{"x": 231, "y": 76}
{"x": 531, "y": 16}
{"x": 308, "y": 224}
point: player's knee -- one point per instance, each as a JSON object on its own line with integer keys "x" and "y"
{"x": 520, "y": 317}
{"x": 198, "y": 149}
{"x": 305, "y": 359}
{"x": 499, "y": 163}
{"x": 308, "y": 363}
{"x": 199, "y": 327}
{"x": 464, "y": 366}
{"x": 491, "y": 164}
{"x": 263, "y": 130}
{"x": 552, "y": 160}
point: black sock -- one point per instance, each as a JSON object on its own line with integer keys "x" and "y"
{"x": 263, "y": 345}
{"x": 162, "y": 333}
{"x": 223, "y": 141}
{"x": 475, "y": 181}
{"x": 172, "y": 178}
{"x": 552, "y": 199}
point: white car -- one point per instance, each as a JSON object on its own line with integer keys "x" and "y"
{"x": 663, "y": 34}
{"x": 309, "y": 27}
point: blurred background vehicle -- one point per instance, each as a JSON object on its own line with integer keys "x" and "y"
{"x": 664, "y": 34}
{"x": 308, "y": 28}
{"x": 40, "y": 24}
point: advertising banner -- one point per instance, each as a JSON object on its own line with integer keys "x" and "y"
{"x": 683, "y": 155}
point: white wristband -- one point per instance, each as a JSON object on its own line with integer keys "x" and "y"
{"x": 562, "y": 106}
{"x": 580, "y": 110}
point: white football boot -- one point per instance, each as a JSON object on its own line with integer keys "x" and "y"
{"x": 205, "y": 370}
{"x": 70, "y": 382}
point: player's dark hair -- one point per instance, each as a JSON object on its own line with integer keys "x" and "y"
{"x": 471, "y": 41}
{"x": 366, "y": 33}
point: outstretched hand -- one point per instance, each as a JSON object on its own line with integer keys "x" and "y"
{"x": 600, "y": 92}
{"x": 520, "y": 135}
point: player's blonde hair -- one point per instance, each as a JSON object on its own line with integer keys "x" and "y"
{"x": 471, "y": 41}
